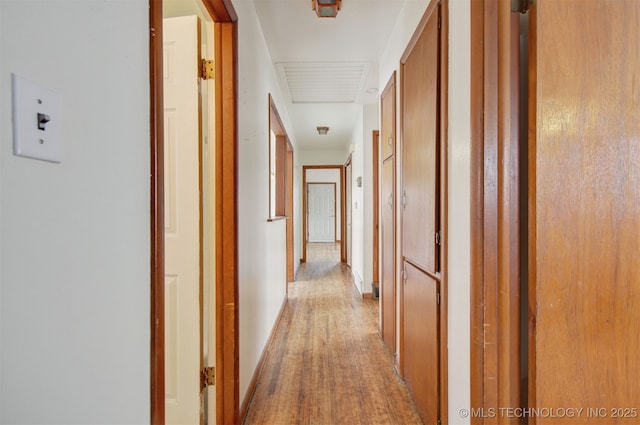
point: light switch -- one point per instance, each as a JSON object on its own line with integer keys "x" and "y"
{"x": 36, "y": 121}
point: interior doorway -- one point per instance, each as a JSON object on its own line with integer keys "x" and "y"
{"x": 219, "y": 206}
{"x": 318, "y": 208}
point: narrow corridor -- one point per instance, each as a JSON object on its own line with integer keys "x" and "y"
{"x": 327, "y": 364}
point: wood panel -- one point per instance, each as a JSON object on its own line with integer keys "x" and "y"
{"x": 585, "y": 192}
{"x": 227, "y": 319}
{"x": 388, "y": 117}
{"x": 388, "y": 281}
{"x": 495, "y": 315}
{"x": 420, "y": 147}
{"x": 420, "y": 346}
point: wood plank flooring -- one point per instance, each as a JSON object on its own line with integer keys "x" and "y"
{"x": 327, "y": 364}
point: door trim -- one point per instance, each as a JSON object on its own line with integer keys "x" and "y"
{"x": 375, "y": 146}
{"x": 227, "y": 364}
{"x": 305, "y": 224}
{"x": 495, "y": 320}
{"x": 345, "y": 255}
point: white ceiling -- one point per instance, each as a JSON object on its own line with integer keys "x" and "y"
{"x": 326, "y": 66}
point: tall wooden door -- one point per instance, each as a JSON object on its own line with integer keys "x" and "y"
{"x": 585, "y": 210}
{"x": 183, "y": 280}
{"x": 388, "y": 213}
{"x": 321, "y": 202}
{"x": 420, "y": 176}
{"x": 348, "y": 208}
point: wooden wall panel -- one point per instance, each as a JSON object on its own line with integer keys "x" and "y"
{"x": 585, "y": 237}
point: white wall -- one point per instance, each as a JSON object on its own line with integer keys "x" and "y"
{"x": 74, "y": 237}
{"x": 458, "y": 280}
{"x": 362, "y": 198}
{"x": 459, "y": 219}
{"x": 370, "y": 122}
{"x": 262, "y": 244}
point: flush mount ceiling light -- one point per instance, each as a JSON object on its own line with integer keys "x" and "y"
{"x": 322, "y": 130}
{"x": 326, "y": 8}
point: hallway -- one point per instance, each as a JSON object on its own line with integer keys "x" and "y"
{"x": 327, "y": 363}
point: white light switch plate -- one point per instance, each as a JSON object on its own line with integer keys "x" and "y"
{"x": 29, "y": 100}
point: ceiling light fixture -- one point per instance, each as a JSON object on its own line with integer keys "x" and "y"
{"x": 326, "y": 8}
{"x": 322, "y": 130}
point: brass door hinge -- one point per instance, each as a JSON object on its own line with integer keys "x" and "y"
{"x": 207, "y": 377}
{"x": 521, "y": 6}
{"x": 207, "y": 70}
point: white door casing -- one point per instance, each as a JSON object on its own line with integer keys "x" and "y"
{"x": 322, "y": 212}
{"x": 182, "y": 220}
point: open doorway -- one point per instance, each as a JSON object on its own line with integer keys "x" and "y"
{"x": 323, "y": 221}
{"x": 215, "y": 174}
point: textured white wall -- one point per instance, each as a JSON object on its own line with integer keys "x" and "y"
{"x": 459, "y": 162}
{"x": 74, "y": 237}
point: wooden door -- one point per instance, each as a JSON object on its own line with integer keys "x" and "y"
{"x": 421, "y": 360}
{"x": 420, "y": 176}
{"x": 388, "y": 277}
{"x": 420, "y": 148}
{"x": 388, "y": 213}
{"x": 388, "y": 117}
{"x": 183, "y": 280}
{"x": 585, "y": 218}
{"x": 348, "y": 209}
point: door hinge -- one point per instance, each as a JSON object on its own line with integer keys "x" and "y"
{"x": 521, "y": 6}
{"x": 207, "y": 377}
{"x": 438, "y": 238}
{"x": 207, "y": 69}
{"x": 438, "y": 298}
{"x": 404, "y": 274}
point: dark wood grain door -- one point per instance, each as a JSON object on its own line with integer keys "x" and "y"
{"x": 420, "y": 165}
{"x": 420, "y": 216}
{"x": 585, "y": 209}
{"x": 421, "y": 361}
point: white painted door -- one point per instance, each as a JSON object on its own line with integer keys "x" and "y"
{"x": 322, "y": 212}
{"x": 182, "y": 220}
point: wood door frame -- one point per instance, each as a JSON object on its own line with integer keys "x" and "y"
{"x": 335, "y": 187}
{"x": 289, "y": 169}
{"x": 495, "y": 292}
{"x": 344, "y": 248}
{"x": 227, "y": 355}
{"x": 444, "y": 192}
{"x": 305, "y": 224}
{"x": 375, "y": 144}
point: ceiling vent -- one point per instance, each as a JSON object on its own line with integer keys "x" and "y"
{"x": 324, "y": 82}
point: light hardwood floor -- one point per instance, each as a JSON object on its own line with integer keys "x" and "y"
{"x": 327, "y": 364}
